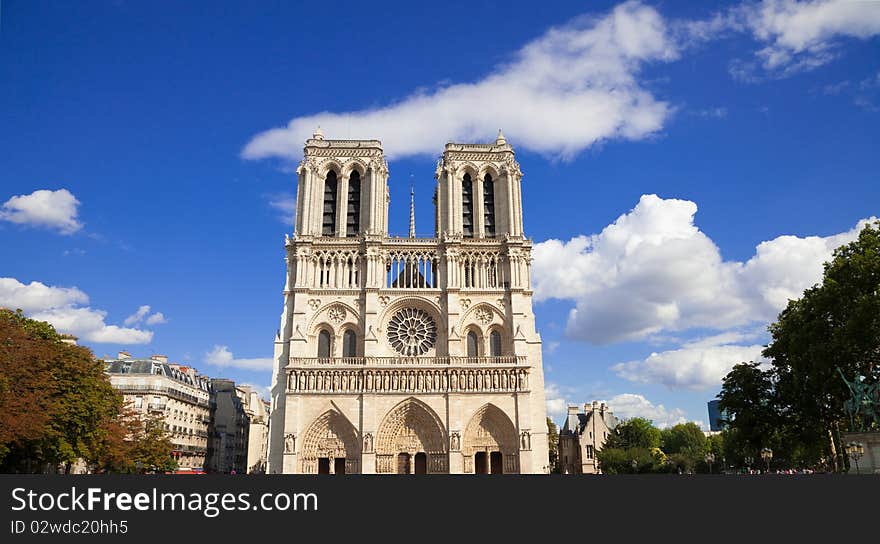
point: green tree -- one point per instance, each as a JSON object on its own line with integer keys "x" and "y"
{"x": 685, "y": 444}
{"x": 835, "y": 324}
{"x": 634, "y": 433}
{"x": 553, "y": 445}
{"x": 55, "y": 400}
{"x": 747, "y": 399}
{"x": 136, "y": 445}
{"x": 632, "y": 447}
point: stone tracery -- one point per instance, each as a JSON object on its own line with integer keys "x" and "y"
{"x": 490, "y": 430}
{"x": 411, "y": 427}
{"x": 333, "y": 436}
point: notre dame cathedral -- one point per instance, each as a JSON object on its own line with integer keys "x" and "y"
{"x": 407, "y": 355}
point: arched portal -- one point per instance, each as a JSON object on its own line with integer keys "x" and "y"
{"x": 330, "y": 445}
{"x": 490, "y": 445}
{"x": 411, "y": 428}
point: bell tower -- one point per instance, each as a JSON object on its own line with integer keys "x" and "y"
{"x": 342, "y": 188}
{"x": 478, "y": 191}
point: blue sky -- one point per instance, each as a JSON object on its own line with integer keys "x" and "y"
{"x": 147, "y": 155}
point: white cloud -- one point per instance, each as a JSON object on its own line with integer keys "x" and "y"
{"x": 143, "y": 315}
{"x": 696, "y": 366}
{"x": 157, "y": 318}
{"x": 38, "y": 296}
{"x": 653, "y": 270}
{"x": 802, "y": 35}
{"x": 556, "y": 403}
{"x": 44, "y": 208}
{"x": 285, "y": 204}
{"x": 62, "y": 307}
{"x": 138, "y": 316}
{"x": 222, "y": 357}
{"x": 561, "y": 93}
{"x": 630, "y": 405}
{"x": 796, "y": 36}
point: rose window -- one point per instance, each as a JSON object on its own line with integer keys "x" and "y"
{"x": 412, "y": 332}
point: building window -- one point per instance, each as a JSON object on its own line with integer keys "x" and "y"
{"x": 495, "y": 344}
{"x": 349, "y": 344}
{"x": 489, "y": 206}
{"x": 589, "y": 452}
{"x": 472, "y": 344}
{"x": 467, "y": 206}
{"x": 353, "y": 221}
{"x": 324, "y": 344}
{"x": 329, "y": 225}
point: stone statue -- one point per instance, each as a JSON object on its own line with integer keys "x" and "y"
{"x": 862, "y": 405}
{"x": 455, "y": 442}
{"x": 368, "y": 443}
{"x": 289, "y": 443}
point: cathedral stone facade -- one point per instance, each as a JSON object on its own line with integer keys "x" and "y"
{"x": 404, "y": 354}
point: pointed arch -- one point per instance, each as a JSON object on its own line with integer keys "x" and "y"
{"x": 331, "y": 435}
{"x": 353, "y": 214}
{"x": 411, "y": 427}
{"x": 490, "y": 431}
{"x": 467, "y": 205}
{"x": 328, "y": 225}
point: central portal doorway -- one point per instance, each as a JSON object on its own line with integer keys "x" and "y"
{"x": 412, "y": 464}
{"x": 488, "y": 463}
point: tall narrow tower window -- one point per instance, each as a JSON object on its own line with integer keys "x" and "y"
{"x": 324, "y": 344}
{"x": 472, "y": 350}
{"x": 467, "y": 206}
{"x": 495, "y": 344}
{"x": 328, "y": 227}
{"x": 349, "y": 344}
{"x": 489, "y": 206}
{"x": 353, "y": 220}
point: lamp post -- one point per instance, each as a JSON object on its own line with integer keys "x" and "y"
{"x": 855, "y": 450}
{"x": 710, "y": 458}
{"x": 767, "y": 455}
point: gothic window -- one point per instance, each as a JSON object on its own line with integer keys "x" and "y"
{"x": 467, "y": 206}
{"x": 329, "y": 224}
{"x": 472, "y": 344}
{"x": 489, "y": 206}
{"x": 353, "y": 221}
{"x": 324, "y": 344}
{"x": 349, "y": 344}
{"x": 412, "y": 332}
{"x": 495, "y": 344}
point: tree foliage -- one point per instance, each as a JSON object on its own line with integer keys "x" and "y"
{"x": 797, "y": 406}
{"x": 553, "y": 445}
{"x": 637, "y": 432}
{"x": 57, "y": 405}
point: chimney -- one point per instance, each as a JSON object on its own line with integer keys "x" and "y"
{"x": 123, "y": 355}
{"x": 572, "y": 409}
{"x": 160, "y": 358}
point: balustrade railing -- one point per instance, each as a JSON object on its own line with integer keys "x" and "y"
{"x": 507, "y": 360}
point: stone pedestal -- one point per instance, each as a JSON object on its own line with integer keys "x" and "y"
{"x": 870, "y": 461}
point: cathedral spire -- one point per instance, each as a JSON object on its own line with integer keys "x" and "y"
{"x": 412, "y": 208}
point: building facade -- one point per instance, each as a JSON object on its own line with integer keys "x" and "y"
{"x": 177, "y": 393}
{"x": 257, "y": 412}
{"x": 407, "y": 354}
{"x": 228, "y": 432}
{"x": 582, "y": 436}
{"x": 716, "y": 416}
